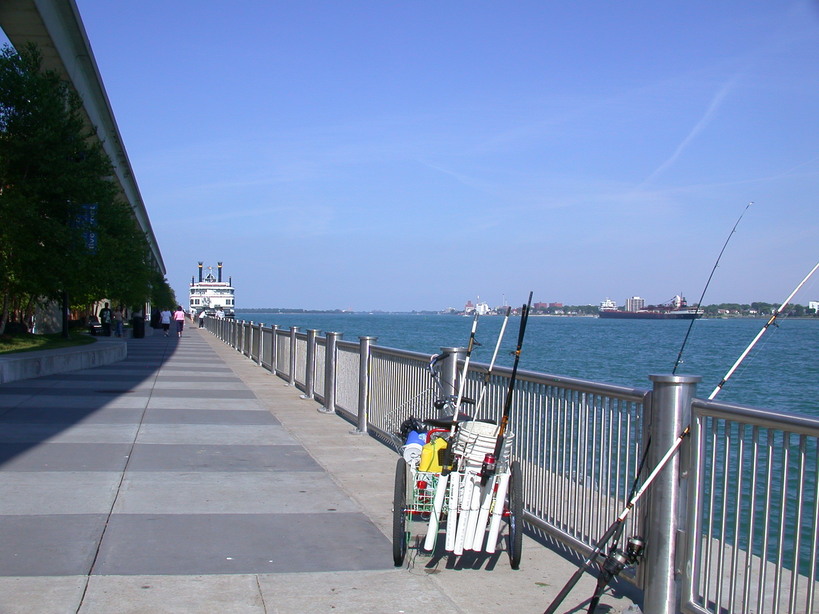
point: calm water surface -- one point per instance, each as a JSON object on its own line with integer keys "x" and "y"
{"x": 782, "y": 372}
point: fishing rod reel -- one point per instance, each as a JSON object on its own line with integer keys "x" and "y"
{"x": 616, "y": 561}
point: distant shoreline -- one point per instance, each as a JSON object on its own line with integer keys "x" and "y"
{"x": 339, "y": 312}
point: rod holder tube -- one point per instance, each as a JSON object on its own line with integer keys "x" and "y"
{"x": 448, "y": 370}
{"x": 669, "y": 415}
{"x": 330, "y": 351}
{"x": 292, "y": 375}
{"x": 364, "y": 382}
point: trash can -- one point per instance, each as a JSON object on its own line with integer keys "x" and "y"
{"x": 138, "y": 324}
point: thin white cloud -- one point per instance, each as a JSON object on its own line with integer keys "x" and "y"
{"x": 710, "y": 112}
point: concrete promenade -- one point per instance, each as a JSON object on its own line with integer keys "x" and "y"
{"x": 187, "y": 479}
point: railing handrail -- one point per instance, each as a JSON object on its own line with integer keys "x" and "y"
{"x": 802, "y": 424}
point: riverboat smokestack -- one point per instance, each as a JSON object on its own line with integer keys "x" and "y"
{"x": 219, "y": 267}
{"x": 200, "y": 272}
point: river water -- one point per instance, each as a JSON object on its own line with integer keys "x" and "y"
{"x": 781, "y": 373}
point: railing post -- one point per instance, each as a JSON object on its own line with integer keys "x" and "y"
{"x": 249, "y": 341}
{"x": 364, "y": 382}
{"x": 448, "y": 370}
{"x": 310, "y": 367}
{"x": 274, "y": 349}
{"x": 291, "y": 380}
{"x": 669, "y": 415}
{"x": 329, "y": 406}
{"x": 261, "y": 344}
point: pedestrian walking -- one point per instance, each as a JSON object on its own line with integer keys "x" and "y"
{"x": 118, "y": 319}
{"x": 165, "y": 319}
{"x": 179, "y": 318}
{"x": 105, "y": 320}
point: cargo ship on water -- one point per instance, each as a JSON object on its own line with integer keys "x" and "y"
{"x": 212, "y": 295}
{"x": 675, "y": 309}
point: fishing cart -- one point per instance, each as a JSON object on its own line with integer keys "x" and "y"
{"x": 451, "y": 477}
{"x": 457, "y": 473}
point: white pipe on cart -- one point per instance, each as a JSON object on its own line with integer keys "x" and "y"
{"x": 483, "y": 514}
{"x": 473, "y": 513}
{"x": 497, "y": 513}
{"x": 452, "y": 513}
{"x": 437, "y": 507}
{"x": 463, "y": 521}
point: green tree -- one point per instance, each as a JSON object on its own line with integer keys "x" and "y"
{"x": 50, "y": 168}
{"x": 162, "y": 295}
{"x": 65, "y": 228}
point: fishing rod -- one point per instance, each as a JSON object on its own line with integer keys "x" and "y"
{"x": 464, "y": 373}
{"x": 488, "y": 375}
{"x": 616, "y": 525}
{"x": 475, "y": 500}
{"x": 492, "y": 486}
{"x": 774, "y": 316}
{"x": 617, "y": 559}
{"x": 507, "y": 406}
{"x": 667, "y": 457}
{"x": 705, "y": 289}
{"x": 447, "y": 465}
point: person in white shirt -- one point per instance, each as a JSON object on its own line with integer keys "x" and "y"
{"x": 165, "y": 320}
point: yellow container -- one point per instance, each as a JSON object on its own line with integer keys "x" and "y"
{"x": 431, "y": 455}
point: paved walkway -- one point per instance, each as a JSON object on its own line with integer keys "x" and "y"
{"x": 187, "y": 479}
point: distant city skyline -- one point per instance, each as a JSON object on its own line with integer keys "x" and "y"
{"x": 809, "y": 304}
{"x": 328, "y": 158}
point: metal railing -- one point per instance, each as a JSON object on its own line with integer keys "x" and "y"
{"x": 753, "y": 509}
{"x": 731, "y": 522}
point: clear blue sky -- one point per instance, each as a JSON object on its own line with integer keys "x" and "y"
{"x": 413, "y": 155}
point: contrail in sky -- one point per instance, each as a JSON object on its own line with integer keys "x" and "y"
{"x": 716, "y": 102}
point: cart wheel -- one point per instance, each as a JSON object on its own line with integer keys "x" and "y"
{"x": 515, "y": 503}
{"x": 399, "y": 514}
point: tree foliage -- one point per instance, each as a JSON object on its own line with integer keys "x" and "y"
{"x": 65, "y": 227}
